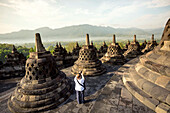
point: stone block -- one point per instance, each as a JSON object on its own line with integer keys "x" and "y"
{"x": 156, "y": 92}
{"x": 162, "y": 108}
{"x": 168, "y": 99}
{"x": 162, "y": 81}
{"x": 147, "y": 87}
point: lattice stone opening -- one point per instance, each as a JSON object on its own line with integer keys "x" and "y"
{"x": 27, "y": 65}
{"x": 36, "y": 77}
{"x": 30, "y": 77}
{"x": 33, "y": 73}
{"x": 29, "y": 69}
{"x": 36, "y": 69}
{"x": 32, "y": 65}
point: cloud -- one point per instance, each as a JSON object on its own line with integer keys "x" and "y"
{"x": 158, "y": 3}
{"x": 36, "y": 12}
{"x": 32, "y": 14}
{"x": 6, "y": 5}
{"x": 152, "y": 20}
{"x": 82, "y": 11}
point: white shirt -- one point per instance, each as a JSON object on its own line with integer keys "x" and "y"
{"x": 78, "y": 87}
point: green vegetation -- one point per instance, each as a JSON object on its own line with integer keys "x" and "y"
{"x": 4, "y": 50}
{"x": 7, "y": 48}
{"x": 50, "y": 46}
{"x": 51, "y": 49}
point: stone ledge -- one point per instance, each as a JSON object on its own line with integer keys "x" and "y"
{"x": 162, "y": 108}
{"x": 148, "y": 87}
{"x": 140, "y": 95}
{"x": 153, "y": 77}
{"x": 159, "y": 58}
{"x": 155, "y": 66}
{"x": 143, "y": 97}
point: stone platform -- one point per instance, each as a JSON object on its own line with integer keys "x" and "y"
{"x": 104, "y": 94}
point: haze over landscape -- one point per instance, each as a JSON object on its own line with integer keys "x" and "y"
{"x": 59, "y": 20}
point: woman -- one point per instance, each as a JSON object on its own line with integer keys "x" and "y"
{"x": 79, "y": 87}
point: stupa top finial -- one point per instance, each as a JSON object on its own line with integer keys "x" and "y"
{"x": 77, "y": 45}
{"x": 91, "y": 42}
{"x": 38, "y": 43}
{"x": 134, "y": 38}
{"x": 13, "y": 49}
{"x": 87, "y": 39}
{"x": 152, "y": 37}
{"x": 104, "y": 43}
{"x": 114, "y": 38}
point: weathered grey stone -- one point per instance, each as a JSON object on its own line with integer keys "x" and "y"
{"x": 14, "y": 65}
{"x": 133, "y": 49}
{"x": 43, "y": 86}
{"x": 114, "y": 54}
{"x": 150, "y": 45}
{"x": 102, "y": 51}
{"x": 162, "y": 108}
{"x": 88, "y": 61}
{"x": 150, "y": 76}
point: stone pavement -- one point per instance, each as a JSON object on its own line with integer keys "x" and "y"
{"x": 115, "y": 98}
{"x": 112, "y": 98}
{"x": 104, "y": 94}
{"x": 6, "y": 89}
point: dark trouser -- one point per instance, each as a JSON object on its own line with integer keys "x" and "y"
{"x": 80, "y": 96}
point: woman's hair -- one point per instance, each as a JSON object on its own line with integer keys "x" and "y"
{"x": 79, "y": 76}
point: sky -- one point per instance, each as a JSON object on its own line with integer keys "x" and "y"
{"x": 18, "y": 15}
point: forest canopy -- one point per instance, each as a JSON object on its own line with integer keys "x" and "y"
{"x": 50, "y": 46}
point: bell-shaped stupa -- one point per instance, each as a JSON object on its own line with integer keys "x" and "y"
{"x": 113, "y": 54}
{"x": 133, "y": 49}
{"x": 143, "y": 45}
{"x": 43, "y": 87}
{"x": 15, "y": 58}
{"x": 14, "y": 65}
{"x": 88, "y": 61}
{"x": 59, "y": 54}
{"x": 150, "y": 45}
{"x": 149, "y": 79}
{"x": 76, "y": 50}
{"x": 103, "y": 49}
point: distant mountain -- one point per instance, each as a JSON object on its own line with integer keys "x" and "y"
{"x": 157, "y": 31}
{"x": 78, "y": 31}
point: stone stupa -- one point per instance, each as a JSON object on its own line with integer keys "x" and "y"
{"x": 15, "y": 58}
{"x": 114, "y": 54}
{"x": 143, "y": 45}
{"x": 88, "y": 61}
{"x": 126, "y": 46}
{"x": 150, "y": 45}
{"x": 133, "y": 49}
{"x": 76, "y": 50}
{"x": 59, "y": 54}
{"x": 14, "y": 65}
{"x": 149, "y": 79}
{"x": 43, "y": 87}
{"x": 103, "y": 49}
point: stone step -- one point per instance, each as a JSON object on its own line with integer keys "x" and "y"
{"x": 159, "y": 57}
{"x": 154, "y": 66}
{"x": 143, "y": 97}
{"x": 148, "y": 87}
{"x": 154, "y": 77}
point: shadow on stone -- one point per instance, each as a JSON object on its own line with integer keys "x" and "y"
{"x": 90, "y": 100}
{"x": 5, "y": 87}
